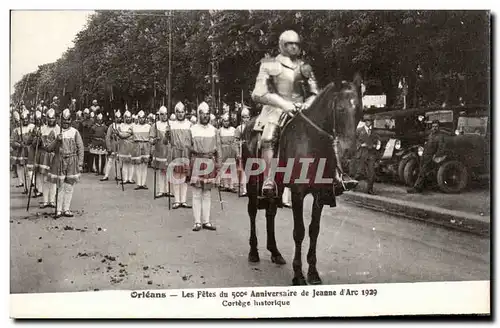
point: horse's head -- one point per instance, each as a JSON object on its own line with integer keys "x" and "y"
{"x": 341, "y": 102}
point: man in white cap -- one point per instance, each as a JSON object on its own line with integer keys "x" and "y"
{"x": 20, "y": 142}
{"x": 14, "y": 123}
{"x": 85, "y": 132}
{"x": 141, "y": 150}
{"x": 77, "y": 122}
{"x": 159, "y": 137}
{"x": 72, "y": 106}
{"x": 94, "y": 107}
{"x": 238, "y": 135}
{"x": 282, "y": 84}
{"x": 228, "y": 156}
{"x": 98, "y": 144}
{"x": 55, "y": 105}
{"x": 126, "y": 144}
{"x": 67, "y": 163}
{"x": 180, "y": 140}
{"x": 205, "y": 155}
{"x": 112, "y": 146}
{"x": 48, "y": 136}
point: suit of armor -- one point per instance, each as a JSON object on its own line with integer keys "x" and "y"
{"x": 284, "y": 84}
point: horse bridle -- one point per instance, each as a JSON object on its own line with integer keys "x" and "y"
{"x": 331, "y": 136}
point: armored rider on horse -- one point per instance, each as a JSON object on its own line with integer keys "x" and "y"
{"x": 284, "y": 85}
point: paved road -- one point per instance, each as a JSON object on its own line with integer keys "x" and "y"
{"x": 125, "y": 240}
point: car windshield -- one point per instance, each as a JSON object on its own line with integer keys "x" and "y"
{"x": 472, "y": 125}
{"x": 384, "y": 123}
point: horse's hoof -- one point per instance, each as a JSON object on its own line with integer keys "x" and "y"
{"x": 313, "y": 279}
{"x": 299, "y": 281}
{"x": 253, "y": 257}
{"x": 278, "y": 259}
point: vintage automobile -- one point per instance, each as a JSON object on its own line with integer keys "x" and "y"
{"x": 465, "y": 155}
{"x": 400, "y": 133}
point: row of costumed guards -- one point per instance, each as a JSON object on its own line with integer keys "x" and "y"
{"x": 165, "y": 140}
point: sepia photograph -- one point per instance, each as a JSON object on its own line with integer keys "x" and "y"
{"x": 249, "y": 163}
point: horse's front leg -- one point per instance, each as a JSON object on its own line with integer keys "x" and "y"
{"x": 312, "y": 274}
{"x": 276, "y": 256}
{"x": 253, "y": 256}
{"x": 298, "y": 237}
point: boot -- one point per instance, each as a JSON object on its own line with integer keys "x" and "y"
{"x": 269, "y": 187}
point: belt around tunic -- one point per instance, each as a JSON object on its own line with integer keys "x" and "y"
{"x": 203, "y": 155}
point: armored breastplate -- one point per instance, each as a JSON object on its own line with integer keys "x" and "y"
{"x": 289, "y": 82}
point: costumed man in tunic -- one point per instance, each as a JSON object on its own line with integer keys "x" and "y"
{"x": 284, "y": 84}
{"x": 20, "y": 142}
{"x": 55, "y": 105}
{"x": 98, "y": 144}
{"x": 77, "y": 122}
{"x": 14, "y": 123}
{"x": 34, "y": 150}
{"x": 112, "y": 146}
{"x": 72, "y": 106}
{"x": 48, "y": 136}
{"x": 67, "y": 163}
{"x": 180, "y": 140}
{"x": 228, "y": 156}
{"x": 141, "y": 150}
{"x": 126, "y": 144}
{"x": 85, "y": 132}
{"x": 238, "y": 135}
{"x": 205, "y": 156}
{"x": 159, "y": 137}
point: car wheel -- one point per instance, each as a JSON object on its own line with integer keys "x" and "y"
{"x": 401, "y": 169}
{"x": 452, "y": 177}
{"x": 411, "y": 171}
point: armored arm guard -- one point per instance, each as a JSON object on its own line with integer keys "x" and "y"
{"x": 262, "y": 93}
{"x": 312, "y": 84}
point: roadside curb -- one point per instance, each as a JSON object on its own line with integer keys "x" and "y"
{"x": 459, "y": 220}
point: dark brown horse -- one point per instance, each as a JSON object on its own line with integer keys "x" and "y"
{"x": 308, "y": 137}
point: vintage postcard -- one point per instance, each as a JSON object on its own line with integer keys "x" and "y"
{"x": 249, "y": 163}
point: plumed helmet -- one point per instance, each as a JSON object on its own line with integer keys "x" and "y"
{"x": 38, "y": 115}
{"x": 92, "y": 114}
{"x": 127, "y": 114}
{"x": 66, "y": 114}
{"x": 140, "y": 114}
{"x": 118, "y": 114}
{"x": 245, "y": 112}
{"x": 163, "y": 110}
{"x": 79, "y": 113}
{"x": 203, "y": 107}
{"x": 51, "y": 113}
{"x": 86, "y": 111}
{"x": 225, "y": 117}
{"x": 286, "y": 37}
{"x": 99, "y": 116}
{"x": 179, "y": 106}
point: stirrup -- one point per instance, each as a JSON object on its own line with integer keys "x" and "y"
{"x": 347, "y": 182}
